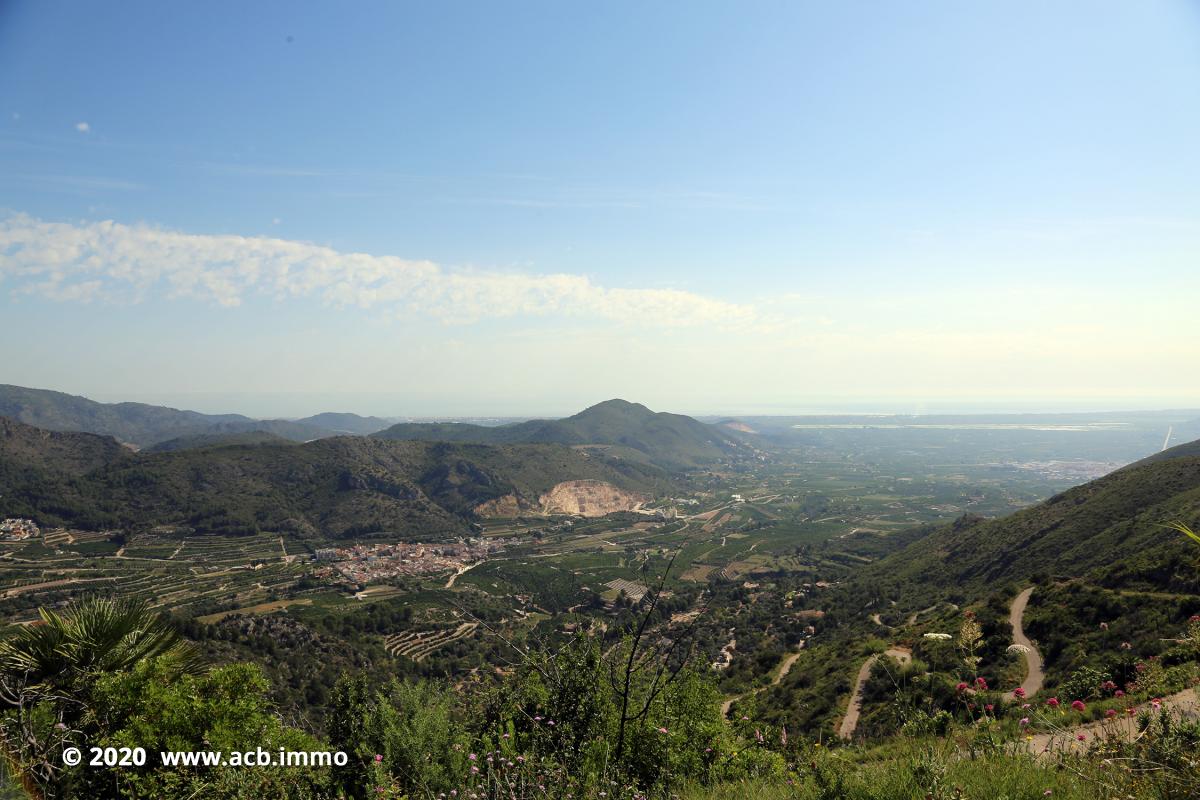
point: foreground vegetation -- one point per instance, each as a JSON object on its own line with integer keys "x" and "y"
{"x": 635, "y": 722}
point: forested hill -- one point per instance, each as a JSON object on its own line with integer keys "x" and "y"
{"x": 28, "y": 453}
{"x": 1110, "y": 530}
{"x": 338, "y": 487}
{"x": 630, "y": 429}
{"x": 137, "y": 423}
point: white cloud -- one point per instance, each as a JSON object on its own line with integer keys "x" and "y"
{"x": 82, "y": 127}
{"x": 92, "y": 261}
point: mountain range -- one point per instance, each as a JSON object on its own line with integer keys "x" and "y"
{"x": 145, "y": 425}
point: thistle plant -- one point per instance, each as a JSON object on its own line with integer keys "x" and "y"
{"x": 970, "y": 639}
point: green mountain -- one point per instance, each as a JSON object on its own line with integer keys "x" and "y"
{"x": 624, "y": 429}
{"x": 136, "y": 423}
{"x": 339, "y": 486}
{"x": 1110, "y": 530}
{"x": 28, "y": 454}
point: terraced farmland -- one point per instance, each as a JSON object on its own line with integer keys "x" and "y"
{"x": 417, "y": 645}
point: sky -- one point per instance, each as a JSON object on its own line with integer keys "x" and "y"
{"x": 523, "y": 208}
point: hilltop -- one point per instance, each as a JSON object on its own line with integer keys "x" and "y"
{"x": 627, "y": 430}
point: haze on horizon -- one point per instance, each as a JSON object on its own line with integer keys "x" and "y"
{"x": 524, "y": 210}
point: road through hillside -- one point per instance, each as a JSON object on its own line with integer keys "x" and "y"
{"x": 1033, "y": 659}
{"x": 854, "y": 707}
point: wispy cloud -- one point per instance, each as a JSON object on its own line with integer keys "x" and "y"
{"x": 83, "y": 127}
{"x": 110, "y": 261}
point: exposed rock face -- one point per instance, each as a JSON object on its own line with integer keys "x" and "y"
{"x": 508, "y": 505}
{"x": 589, "y": 498}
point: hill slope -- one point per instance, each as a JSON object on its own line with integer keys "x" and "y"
{"x": 28, "y": 454}
{"x": 668, "y": 440}
{"x": 136, "y": 423}
{"x": 338, "y": 487}
{"x": 1110, "y": 529}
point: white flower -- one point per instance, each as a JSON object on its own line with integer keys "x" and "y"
{"x": 941, "y": 637}
{"x": 1017, "y": 648}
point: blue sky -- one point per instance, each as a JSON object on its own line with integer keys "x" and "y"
{"x": 709, "y": 208}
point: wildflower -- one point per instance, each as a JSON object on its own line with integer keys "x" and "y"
{"x": 1052, "y": 702}
{"x": 1019, "y": 693}
{"x": 1131, "y": 710}
{"x": 473, "y": 757}
{"x": 1108, "y": 686}
{"x": 961, "y": 687}
{"x": 1026, "y": 706}
{"x": 1126, "y": 646}
{"x": 1024, "y": 722}
{"x": 474, "y": 770}
{"x": 938, "y": 636}
{"x": 1112, "y": 712}
{"x": 1081, "y": 737}
{"x": 662, "y": 730}
{"x": 1156, "y": 703}
{"x": 758, "y": 735}
{"x": 1103, "y": 626}
{"x": 981, "y": 683}
{"x": 378, "y": 758}
{"x": 989, "y": 708}
{"x": 1047, "y": 793}
{"x": 1016, "y": 648}
{"x": 1118, "y": 693}
{"x": 1078, "y": 705}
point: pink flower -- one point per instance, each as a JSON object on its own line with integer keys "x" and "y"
{"x": 961, "y": 687}
{"x": 473, "y": 756}
{"x": 1078, "y": 705}
{"x": 1019, "y": 693}
{"x": 1112, "y": 712}
{"x": 1118, "y": 693}
{"x": 1081, "y": 737}
{"x": 1156, "y": 703}
{"x": 662, "y": 730}
{"x": 378, "y": 758}
{"x": 1131, "y": 710}
{"x": 474, "y": 770}
{"x": 981, "y": 683}
{"x": 1052, "y": 702}
{"x": 989, "y": 708}
{"x": 1024, "y": 722}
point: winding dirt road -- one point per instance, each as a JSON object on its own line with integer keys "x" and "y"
{"x": 785, "y": 667}
{"x": 854, "y": 707}
{"x": 1124, "y": 727}
{"x": 1035, "y": 676}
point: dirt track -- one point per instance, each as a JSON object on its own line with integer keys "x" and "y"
{"x": 854, "y": 707}
{"x": 1035, "y": 676}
